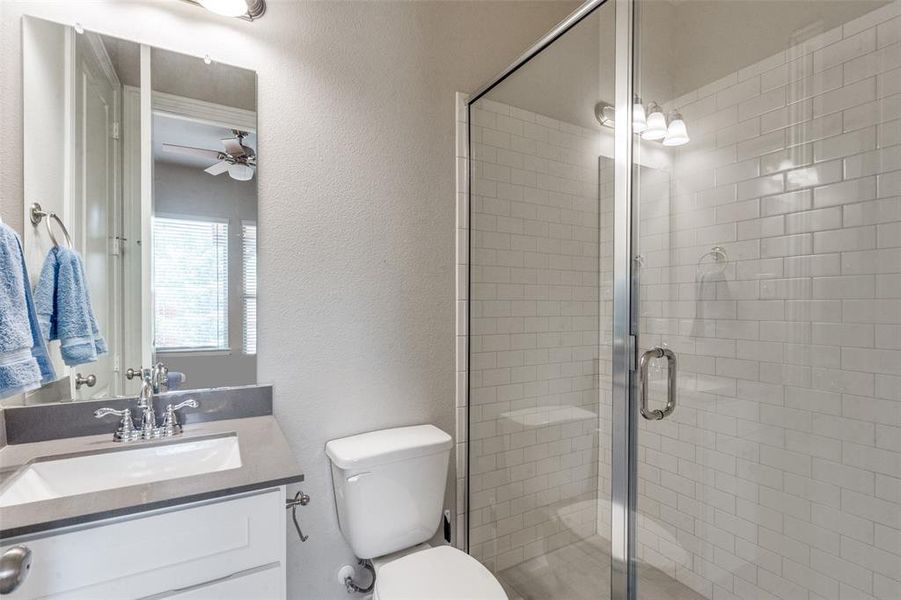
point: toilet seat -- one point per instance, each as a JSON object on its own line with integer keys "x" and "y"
{"x": 436, "y": 573}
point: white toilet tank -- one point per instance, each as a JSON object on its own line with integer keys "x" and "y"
{"x": 389, "y": 487}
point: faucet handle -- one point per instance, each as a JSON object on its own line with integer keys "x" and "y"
{"x": 170, "y": 421}
{"x": 190, "y": 403}
{"x": 126, "y": 429}
{"x": 104, "y": 412}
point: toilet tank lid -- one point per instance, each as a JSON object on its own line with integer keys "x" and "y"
{"x": 387, "y": 445}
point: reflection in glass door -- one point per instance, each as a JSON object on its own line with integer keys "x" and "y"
{"x": 768, "y": 251}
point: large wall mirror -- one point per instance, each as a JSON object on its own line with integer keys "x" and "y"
{"x": 140, "y": 170}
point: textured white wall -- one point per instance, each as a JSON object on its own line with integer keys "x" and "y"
{"x": 356, "y": 116}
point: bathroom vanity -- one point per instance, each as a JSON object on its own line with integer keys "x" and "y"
{"x": 200, "y": 515}
{"x": 233, "y": 547}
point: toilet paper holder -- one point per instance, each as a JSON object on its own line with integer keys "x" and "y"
{"x": 299, "y": 499}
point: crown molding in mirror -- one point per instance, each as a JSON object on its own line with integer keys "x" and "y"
{"x": 201, "y": 111}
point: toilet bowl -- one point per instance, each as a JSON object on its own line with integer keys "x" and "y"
{"x": 440, "y": 573}
{"x": 389, "y": 494}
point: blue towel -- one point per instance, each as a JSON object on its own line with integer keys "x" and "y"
{"x": 24, "y": 361}
{"x": 174, "y": 380}
{"x": 64, "y": 308}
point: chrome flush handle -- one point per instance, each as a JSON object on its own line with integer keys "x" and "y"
{"x": 644, "y": 361}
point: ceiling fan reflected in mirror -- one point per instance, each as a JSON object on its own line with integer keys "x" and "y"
{"x": 239, "y": 160}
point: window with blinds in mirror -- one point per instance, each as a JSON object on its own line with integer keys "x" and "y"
{"x": 190, "y": 284}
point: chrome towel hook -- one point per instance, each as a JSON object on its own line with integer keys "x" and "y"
{"x": 38, "y": 214}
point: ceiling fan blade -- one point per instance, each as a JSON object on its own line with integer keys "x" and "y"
{"x": 217, "y": 169}
{"x": 215, "y": 154}
{"x": 233, "y": 146}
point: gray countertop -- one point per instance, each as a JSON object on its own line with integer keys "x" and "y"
{"x": 266, "y": 460}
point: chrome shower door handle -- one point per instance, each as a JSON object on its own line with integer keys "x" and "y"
{"x": 644, "y": 361}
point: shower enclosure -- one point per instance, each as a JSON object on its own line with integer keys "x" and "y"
{"x": 683, "y": 283}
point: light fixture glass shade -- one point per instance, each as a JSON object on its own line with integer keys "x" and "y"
{"x": 676, "y": 133}
{"x": 227, "y": 8}
{"x": 639, "y": 119}
{"x": 656, "y": 124}
{"x": 605, "y": 114}
{"x": 240, "y": 172}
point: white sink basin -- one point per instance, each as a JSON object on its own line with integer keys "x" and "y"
{"x": 85, "y": 473}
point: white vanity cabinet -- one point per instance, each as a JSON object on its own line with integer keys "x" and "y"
{"x": 223, "y": 549}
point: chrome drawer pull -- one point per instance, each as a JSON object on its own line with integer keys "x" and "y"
{"x": 14, "y": 566}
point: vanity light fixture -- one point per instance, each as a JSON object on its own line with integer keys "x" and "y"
{"x": 656, "y": 123}
{"x": 655, "y": 127}
{"x": 248, "y": 10}
{"x": 605, "y": 114}
{"x": 639, "y": 118}
{"x": 676, "y": 132}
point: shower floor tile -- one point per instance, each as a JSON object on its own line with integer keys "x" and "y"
{"x": 581, "y": 571}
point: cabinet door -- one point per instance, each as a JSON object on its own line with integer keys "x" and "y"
{"x": 267, "y": 583}
{"x": 155, "y": 554}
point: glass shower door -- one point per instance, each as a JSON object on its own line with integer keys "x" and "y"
{"x": 766, "y": 208}
{"x": 541, "y": 207}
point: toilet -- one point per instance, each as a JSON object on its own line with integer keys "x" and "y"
{"x": 389, "y": 492}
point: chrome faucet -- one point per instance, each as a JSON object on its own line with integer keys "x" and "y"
{"x": 159, "y": 376}
{"x": 149, "y": 430}
{"x": 145, "y": 403}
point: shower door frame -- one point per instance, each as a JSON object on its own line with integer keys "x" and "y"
{"x": 624, "y": 474}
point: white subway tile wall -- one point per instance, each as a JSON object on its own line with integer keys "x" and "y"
{"x": 534, "y": 344}
{"x": 779, "y": 475}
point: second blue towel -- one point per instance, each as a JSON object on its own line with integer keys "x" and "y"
{"x": 64, "y": 308}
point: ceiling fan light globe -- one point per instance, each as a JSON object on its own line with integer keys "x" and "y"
{"x": 240, "y": 172}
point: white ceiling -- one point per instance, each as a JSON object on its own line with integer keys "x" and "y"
{"x": 171, "y": 130}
